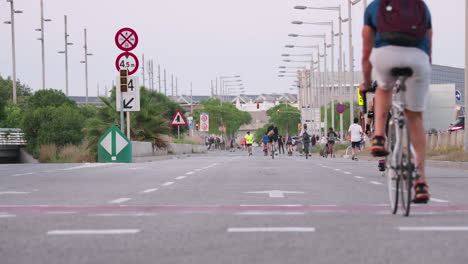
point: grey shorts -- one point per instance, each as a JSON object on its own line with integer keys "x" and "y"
{"x": 386, "y": 58}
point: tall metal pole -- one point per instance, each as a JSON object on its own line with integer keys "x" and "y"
{"x": 143, "y": 70}
{"x": 159, "y": 78}
{"x": 165, "y": 83}
{"x": 191, "y": 98}
{"x": 466, "y": 75}
{"x": 86, "y": 62}
{"x": 340, "y": 69}
{"x": 333, "y": 78}
{"x": 66, "y": 56}
{"x": 351, "y": 63}
{"x": 216, "y": 86}
{"x": 13, "y": 49}
{"x": 172, "y": 85}
{"x": 42, "y": 45}
{"x": 177, "y": 86}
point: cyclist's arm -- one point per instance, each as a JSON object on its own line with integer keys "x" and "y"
{"x": 368, "y": 38}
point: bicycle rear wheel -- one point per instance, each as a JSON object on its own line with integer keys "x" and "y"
{"x": 391, "y": 161}
{"x": 408, "y": 170}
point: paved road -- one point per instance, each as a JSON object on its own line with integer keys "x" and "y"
{"x": 225, "y": 208}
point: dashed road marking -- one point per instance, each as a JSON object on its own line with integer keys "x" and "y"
{"x": 359, "y": 177}
{"x": 337, "y": 169}
{"x": 270, "y": 213}
{"x": 94, "y": 232}
{"x": 22, "y": 174}
{"x": 268, "y": 205}
{"x": 150, "y": 190}
{"x": 347, "y": 172}
{"x": 120, "y": 200}
{"x": 190, "y": 173}
{"x": 89, "y": 165}
{"x": 167, "y": 183}
{"x": 376, "y": 182}
{"x": 180, "y": 178}
{"x": 433, "y": 228}
{"x": 7, "y": 215}
{"x": 439, "y": 200}
{"x": 125, "y": 214}
{"x": 5, "y": 193}
{"x": 270, "y": 229}
{"x": 61, "y": 213}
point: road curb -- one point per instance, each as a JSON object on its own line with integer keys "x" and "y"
{"x": 448, "y": 164}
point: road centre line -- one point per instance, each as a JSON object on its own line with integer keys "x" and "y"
{"x": 274, "y": 205}
{"x": 120, "y": 200}
{"x": 23, "y": 174}
{"x": 61, "y": 213}
{"x": 190, "y": 173}
{"x": 439, "y": 200}
{"x": 94, "y": 232}
{"x": 124, "y": 214}
{"x": 359, "y": 177}
{"x": 433, "y": 228}
{"x": 6, "y": 215}
{"x": 4, "y": 193}
{"x": 150, "y": 190}
{"x": 271, "y": 229}
{"x": 181, "y": 177}
{"x": 270, "y": 213}
{"x": 347, "y": 172}
{"x": 167, "y": 183}
{"x": 376, "y": 182}
{"x": 337, "y": 169}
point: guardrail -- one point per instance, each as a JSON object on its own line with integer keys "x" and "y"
{"x": 11, "y": 137}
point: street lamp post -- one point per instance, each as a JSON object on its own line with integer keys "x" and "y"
{"x": 86, "y": 54}
{"x": 43, "y": 43}
{"x": 466, "y": 76}
{"x": 13, "y": 47}
{"x": 66, "y": 55}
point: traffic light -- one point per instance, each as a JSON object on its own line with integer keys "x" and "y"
{"x": 123, "y": 80}
{"x": 258, "y": 105}
{"x": 278, "y": 110}
{"x": 197, "y": 125}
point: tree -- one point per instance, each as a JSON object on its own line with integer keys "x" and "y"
{"x": 286, "y": 118}
{"x": 6, "y": 94}
{"x": 346, "y": 121}
{"x": 226, "y": 116}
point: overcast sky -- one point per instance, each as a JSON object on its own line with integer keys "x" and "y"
{"x": 195, "y": 40}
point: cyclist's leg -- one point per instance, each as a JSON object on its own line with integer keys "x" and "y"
{"x": 418, "y": 140}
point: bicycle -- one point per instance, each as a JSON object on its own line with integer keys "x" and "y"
{"x": 273, "y": 150}
{"x": 399, "y": 164}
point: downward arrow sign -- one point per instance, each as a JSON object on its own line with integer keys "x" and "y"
{"x": 127, "y": 104}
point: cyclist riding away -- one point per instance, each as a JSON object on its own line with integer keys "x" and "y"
{"x": 272, "y": 133}
{"x": 356, "y": 133}
{"x": 331, "y": 137}
{"x": 248, "y": 142}
{"x": 265, "y": 141}
{"x": 402, "y": 41}
{"x": 306, "y": 135}
{"x": 289, "y": 143}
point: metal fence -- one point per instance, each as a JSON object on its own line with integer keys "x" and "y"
{"x": 11, "y": 137}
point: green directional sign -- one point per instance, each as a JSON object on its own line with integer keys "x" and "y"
{"x": 114, "y": 146}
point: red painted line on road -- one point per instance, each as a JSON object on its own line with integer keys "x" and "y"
{"x": 220, "y": 209}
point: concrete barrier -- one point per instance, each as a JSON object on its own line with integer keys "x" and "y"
{"x": 147, "y": 149}
{"x": 445, "y": 140}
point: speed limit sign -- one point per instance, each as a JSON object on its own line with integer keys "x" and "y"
{"x": 129, "y": 61}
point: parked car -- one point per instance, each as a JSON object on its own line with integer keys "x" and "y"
{"x": 459, "y": 124}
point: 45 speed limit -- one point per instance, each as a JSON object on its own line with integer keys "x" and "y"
{"x": 127, "y": 60}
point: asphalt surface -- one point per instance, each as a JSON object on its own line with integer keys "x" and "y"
{"x": 225, "y": 208}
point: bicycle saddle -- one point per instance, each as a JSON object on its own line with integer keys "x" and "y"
{"x": 403, "y": 72}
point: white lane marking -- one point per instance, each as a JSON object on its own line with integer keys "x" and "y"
{"x": 276, "y": 193}
{"x": 129, "y": 214}
{"x": 22, "y": 174}
{"x": 138, "y": 168}
{"x": 197, "y": 169}
{"x": 150, "y": 190}
{"x": 180, "y": 177}
{"x": 337, "y": 169}
{"x": 359, "y": 177}
{"x": 6, "y": 215}
{"x": 270, "y": 213}
{"x": 376, "y": 182}
{"x": 433, "y": 228}
{"x": 89, "y": 165}
{"x": 167, "y": 183}
{"x": 4, "y": 193}
{"x": 61, "y": 213}
{"x": 190, "y": 173}
{"x": 120, "y": 200}
{"x": 439, "y": 200}
{"x": 347, "y": 172}
{"x": 94, "y": 232}
{"x": 274, "y": 205}
{"x": 270, "y": 229}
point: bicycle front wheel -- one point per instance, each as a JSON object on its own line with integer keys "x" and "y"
{"x": 408, "y": 170}
{"x": 392, "y": 171}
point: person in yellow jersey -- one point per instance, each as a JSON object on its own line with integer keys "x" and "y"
{"x": 249, "y": 142}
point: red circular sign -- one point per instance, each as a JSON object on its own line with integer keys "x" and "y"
{"x": 340, "y": 108}
{"x": 204, "y": 118}
{"x": 126, "y": 39}
{"x": 204, "y": 127}
{"x": 127, "y": 60}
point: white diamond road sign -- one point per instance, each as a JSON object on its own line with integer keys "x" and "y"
{"x": 131, "y": 98}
